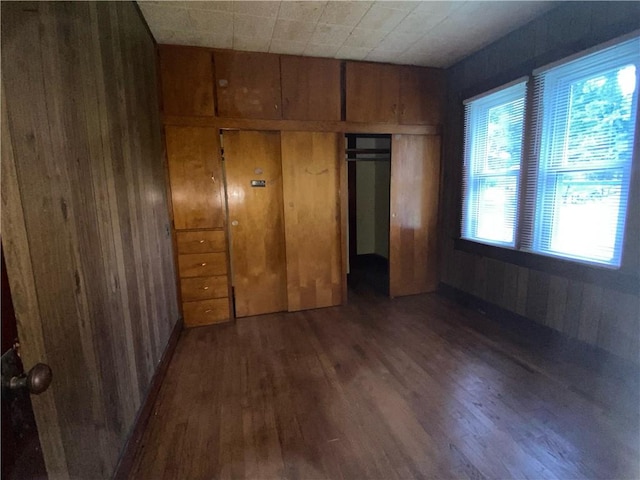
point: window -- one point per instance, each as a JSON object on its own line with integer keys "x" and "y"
{"x": 493, "y": 151}
{"x": 578, "y": 162}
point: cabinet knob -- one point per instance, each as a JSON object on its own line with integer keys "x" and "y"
{"x": 205, "y": 288}
{"x": 234, "y": 223}
{"x": 208, "y": 311}
{"x": 203, "y": 264}
{"x": 201, "y": 241}
{"x": 275, "y": 106}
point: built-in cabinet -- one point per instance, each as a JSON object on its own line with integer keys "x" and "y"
{"x": 199, "y": 217}
{"x": 256, "y": 154}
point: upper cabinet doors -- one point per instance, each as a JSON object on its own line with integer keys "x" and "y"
{"x": 413, "y": 235}
{"x": 310, "y": 174}
{"x": 378, "y": 93}
{"x": 422, "y": 92}
{"x": 247, "y": 85}
{"x": 187, "y": 81}
{"x": 195, "y": 176}
{"x": 372, "y": 92}
{"x": 310, "y": 88}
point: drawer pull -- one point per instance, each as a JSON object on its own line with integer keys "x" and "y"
{"x": 205, "y": 288}
{"x": 201, "y": 241}
{"x": 208, "y": 311}
{"x": 203, "y": 264}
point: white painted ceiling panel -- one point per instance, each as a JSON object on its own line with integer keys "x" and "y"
{"x": 426, "y": 33}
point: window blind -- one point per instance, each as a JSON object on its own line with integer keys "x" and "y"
{"x": 492, "y": 161}
{"x": 579, "y": 159}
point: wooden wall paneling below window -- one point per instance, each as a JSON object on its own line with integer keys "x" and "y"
{"x": 247, "y": 85}
{"x": 195, "y": 174}
{"x": 310, "y": 88}
{"x": 310, "y": 167}
{"x": 256, "y": 221}
{"x": 372, "y": 92}
{"x": 186, "y": 74}
{"x": 413, "y": 227}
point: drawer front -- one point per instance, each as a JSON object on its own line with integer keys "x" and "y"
{"x": 201, "y": 242}
{"x": 205, "y": 312}
{"x": 203, "y": 288}
{"x": 202, "y": 265}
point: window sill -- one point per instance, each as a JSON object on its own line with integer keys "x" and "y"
{"x": 605, "y": 277}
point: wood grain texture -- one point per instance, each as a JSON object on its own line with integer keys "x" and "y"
{"x": 372, "y": 92}
{"x": 413, "y": 235}
{"x": 205, "y": 312}
{"x": 195, "y": 173}
{"x": 248, "y": 85}
{"x": 301, "y": 125}
{"x": 256, "y": 222}
{"x": 310, "y": 169}
{"x": 414, "y": 387}
{"x": 201, "y": 241}
{"x": 422, "y": 96}
{"x": 186, "y": 76}
{"x": 89, "y": 258}
{"x": 203, "y": 288}
{"x": 310, "y": 88}
{"x": 202, "y": 264}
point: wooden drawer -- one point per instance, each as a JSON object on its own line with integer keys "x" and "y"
{"x": 203, "y": 288}
{"x": 202, "y": 265}
{"x": 201, "y": 242}
{"x": 206, "y": 312}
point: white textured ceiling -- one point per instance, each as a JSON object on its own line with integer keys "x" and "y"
{"x": 430, "y": 33}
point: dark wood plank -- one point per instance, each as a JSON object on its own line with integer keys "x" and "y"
{"x": 93, "y": 247}
{"x": 415, "y": 387}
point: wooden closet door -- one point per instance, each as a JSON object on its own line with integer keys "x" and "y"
{"x": 310, "y": 164}
{"x": 195, "y": 175}
{"x": 256, "y": 226}
{"x": 413, "y": 236}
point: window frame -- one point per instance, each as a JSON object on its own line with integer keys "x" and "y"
{"x": 626, "y": 276}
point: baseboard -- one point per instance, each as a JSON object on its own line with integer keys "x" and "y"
{"x": 546, "y": 338}
{"x": 123, "y": 469}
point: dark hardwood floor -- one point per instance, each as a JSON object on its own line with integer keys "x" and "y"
{"x": 415, "y": 387}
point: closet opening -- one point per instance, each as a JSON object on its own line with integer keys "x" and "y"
{"x": 369, "y": 173}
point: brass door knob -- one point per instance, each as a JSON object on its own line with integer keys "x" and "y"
{"x": 36, "y": 381}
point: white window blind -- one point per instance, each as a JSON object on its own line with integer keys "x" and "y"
{"x": 492, "y": 162}
{"x": 580, "y": 158}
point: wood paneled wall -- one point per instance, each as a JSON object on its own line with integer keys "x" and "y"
{"x": 592, "y": 313}
{"x": 85, "y": 222}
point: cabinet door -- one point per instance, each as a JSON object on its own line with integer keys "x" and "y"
{"x": 372, "y": 92}
{"x": 195, "y": 176}
{"x": 310, "y": 163}
{"x": 422, "y": 92}
{"x": 310, "y": 88}
{"x": 248, "y": 85}
{"x": 187, "y": 81}
{"x": 413, "y": 236}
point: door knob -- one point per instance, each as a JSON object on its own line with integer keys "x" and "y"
{"x": 35, "y": 382}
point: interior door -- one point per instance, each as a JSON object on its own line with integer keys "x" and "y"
{"x": 254, "y": 196}
{"x": 21, "y": 452}
{"x": 310, "y": 166}
{"x": 413, "y": 236}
